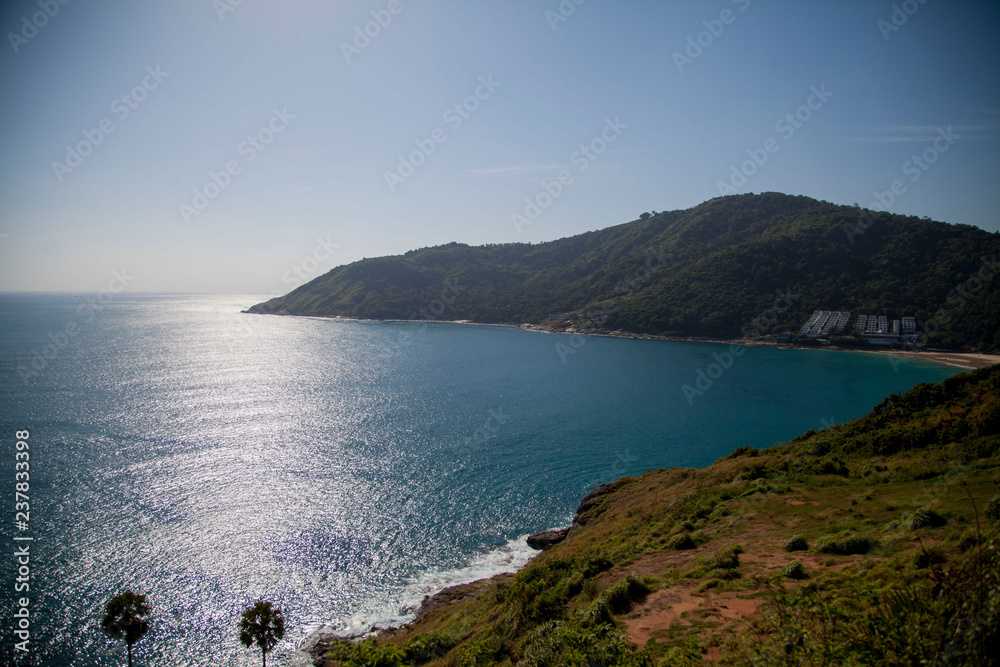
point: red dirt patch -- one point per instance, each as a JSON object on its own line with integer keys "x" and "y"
{"x": 652, "y": 564}
{"x": 681, "y": 602}
{"x": 772, "y": 560}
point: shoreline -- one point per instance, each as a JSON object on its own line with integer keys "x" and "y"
{"x": 966, "y": 361}
{"x": 429, "y": 590}
{"x": 318, "y": 641}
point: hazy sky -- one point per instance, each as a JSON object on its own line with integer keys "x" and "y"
{"x": 224, "y": 146}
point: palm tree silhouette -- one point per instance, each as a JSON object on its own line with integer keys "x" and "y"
{"x": 123, "y": 619}
{"x": 264, "y": 625}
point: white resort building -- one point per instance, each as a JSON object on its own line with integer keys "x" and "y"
{"x": 824, "y": 322}
{"x": 873, "y": 329}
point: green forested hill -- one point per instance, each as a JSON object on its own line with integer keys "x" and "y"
{"x": 705, "y": 271}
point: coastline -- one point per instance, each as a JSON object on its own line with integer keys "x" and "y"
{"x": 424, "y": 614}
{"x": 430, "y": 590}
{"x": 318, "y": 643}
{"x": 964, "y": 360}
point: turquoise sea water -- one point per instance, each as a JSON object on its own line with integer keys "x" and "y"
{"x": 342, "y": 469}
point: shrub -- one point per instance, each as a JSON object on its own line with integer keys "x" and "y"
{"x": 684, "y": 526}
{"x": 720, "y": 512}
{"x": 796, "y": 543}
{"x": 927, "y": 557}
{"x": 596, "y": 564}
{"x": 846, "y": 545}
{"x": 832, "y": 467}
{"x": 598, "y": 613}
{"x": 926, "y": 518}
{"x": 794, "y": 570}
{"x": 724, "y": 574}
{"x": 561, "y": 643}
{"x": 753, "y": 472}
{"x": 993, "y": 508}
{"x": 728, "y": 559}
{"x": 622, "y": 594}
{"x": 426, "y": 648}
{"x": 368, "y": 652}
{"x": 682, "y": 541}
{"x": 702, "y": 510}
{"x": 481, "y": 651}
{"x": 746, "y": 450}
{"x": 969, "y": 539}
{"x": 707, "y": 584}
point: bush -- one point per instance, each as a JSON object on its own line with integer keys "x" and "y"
{"x": 622, "y": 594}
{"x": 426, "y": 648}
{"x": 794, "y": 570}
{"x": 481, "y": 651}
{"x": 595, "y": 564}
{"x": 682, "y": 541}
{"x": 926, "y": 518}
{"x": 746, "y": 450}
{"x": 598, "y": 613}
{"x": 753, "y": 472}
{"x": 927, "y": 557}
{"x": 846, "y": 545}
{"x": 993, "y": 508}
{"x": 832, "y": 467}
{"x": 728, "y": 559}
{"x": 560, "y": 643}
{"x": 724, "y": 574}
{"x": 969, "y": 540}
{"x": 796, "y": 543}
{"x": 368, "y": 652}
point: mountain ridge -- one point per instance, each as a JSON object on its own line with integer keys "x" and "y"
{"x": 705, "y": 271}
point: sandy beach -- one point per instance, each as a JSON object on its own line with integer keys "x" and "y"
{"x": 964, "y": 360}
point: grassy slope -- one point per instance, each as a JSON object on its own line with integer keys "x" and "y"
{"x": 704, "y": 271}
{"x": 681, "y": 566}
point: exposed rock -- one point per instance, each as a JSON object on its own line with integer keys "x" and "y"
{"x": 547, "y": 538}
{"x": 317, "y": 646}
{"x": 452, "y": 594}
{"x": 589, "y": 501}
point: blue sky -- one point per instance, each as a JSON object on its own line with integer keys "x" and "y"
{"x": 300, "y": 131}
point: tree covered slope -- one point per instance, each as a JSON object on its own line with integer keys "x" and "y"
{"x": 705, "y": 271}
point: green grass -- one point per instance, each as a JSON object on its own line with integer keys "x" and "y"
{"x": 796, "y": 543}
{"x": 926, "y": 517}
{"x": 794, "y": 570}
{"x": 846, "y": 544}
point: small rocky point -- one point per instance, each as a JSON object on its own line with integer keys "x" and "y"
{"x": 548, "y": 538}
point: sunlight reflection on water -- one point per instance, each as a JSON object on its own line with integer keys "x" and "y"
{"x": 209, "y": 458}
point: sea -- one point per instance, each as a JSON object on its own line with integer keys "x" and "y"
{"x": 340, "y": 469}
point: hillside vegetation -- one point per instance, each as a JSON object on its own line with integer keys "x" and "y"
{"x": 706, "y": 271}
{"x": 870, "y": 543}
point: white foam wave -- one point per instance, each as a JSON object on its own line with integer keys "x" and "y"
{"x": 402, "y": 607}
